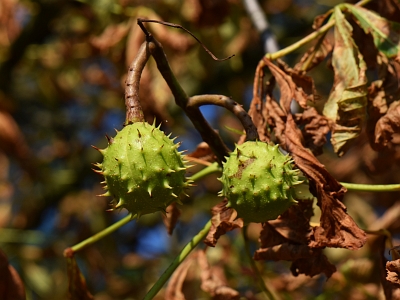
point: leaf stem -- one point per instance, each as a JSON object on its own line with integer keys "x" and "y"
{"x": 182, "y": 255}
{"x": 213, "y": 168}
{"x": 98, "y": 236}
{"x": 308, "y": 38}
{"x": 302, "y": 42}
{"x": 371, "y": 187}
{"x": 257, "y": 273}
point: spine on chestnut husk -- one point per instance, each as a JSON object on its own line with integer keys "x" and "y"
{"x": 143, "y": 170}
{"x": 258, "y": 181}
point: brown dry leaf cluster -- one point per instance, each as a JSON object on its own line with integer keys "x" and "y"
{"x": 212, "y": 278}
{"x": 289, "y": 238}
{"x": 337, "y": 228}
{"x": 223, "y": 219}
{"x": 393, "y": 271}
{"x": 363, "y": 40}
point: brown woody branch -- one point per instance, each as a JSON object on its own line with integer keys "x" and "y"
{"x": 209, "y": 135}
{"x": 231, "y": 105}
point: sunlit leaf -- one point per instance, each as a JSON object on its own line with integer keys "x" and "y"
{"x": 386, "y": 34}
{"x": 347, "y": 101}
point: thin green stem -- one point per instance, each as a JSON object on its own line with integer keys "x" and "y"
{"x": 208, "y": 170}
{"x": 308, "y": 38}
{"x": 178, "y": 260}
{"x": 213, "y": 168}
{"x": 371, "y": 187}
{"x": 260, "y": 280}
{"x": 302, "y": 42}
{"x": 98, "y": 236}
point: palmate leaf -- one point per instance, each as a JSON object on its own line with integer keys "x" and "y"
{"x": 386, "y": 34}
{"x": 346, "y": 106}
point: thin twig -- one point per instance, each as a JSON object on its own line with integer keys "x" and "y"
{"x": 229, "y": 104}
{"x": 140, "y": 21}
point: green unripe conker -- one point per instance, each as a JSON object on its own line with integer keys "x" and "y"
{"x": 143, "y": 170}
{"x": 258, "y": 181}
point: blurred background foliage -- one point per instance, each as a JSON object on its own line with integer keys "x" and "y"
{"x": 62, "y": 69}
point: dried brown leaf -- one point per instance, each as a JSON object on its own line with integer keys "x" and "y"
{"x": 223, "y": 220}
{"x": 11, "y": 285}
{"x": 316, "y": 127}
{"x": 393, "y": 271}
{"x": 273, "y": 113}
{"x": 320, "y": 20}
{"x": 388, "y": 125}
{"x": 257, "y": 106}
{"x": 382, "y": 93}
{"x": 171, "y": 217}
{"x": 174, "y": 290}
{"x": 391, "y": 289}
{"x": 337, "y": 228}
{"x": 202, "y": 152}
{"x": 316, "y": 264}
{"x": 294, "y": 224}
{"x": 213, "y": 280}
{"x": 294, "y": 85}
{"x": 285, "y": 251}
{"x": 288, "y": 238}
{"x": 389, "y": 9}
{"x": 77, "y": 284}
{"x": 315, "y": 55}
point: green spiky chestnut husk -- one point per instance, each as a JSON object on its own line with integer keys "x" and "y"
{"x": 258, "y": 181}
{"x": 143, "y": 170}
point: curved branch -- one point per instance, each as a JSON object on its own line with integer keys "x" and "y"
{"x": 231, "y": 105}
{"x": 134, "y": 111}
{"x": 209, "y": 135}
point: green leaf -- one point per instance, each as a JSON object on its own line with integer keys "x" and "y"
{"x": 347, "y": 100}
{"x": 386, "y": 34}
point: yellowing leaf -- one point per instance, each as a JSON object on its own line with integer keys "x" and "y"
{"x": 386, "y": 34}
{"x": 346, "y": 106}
